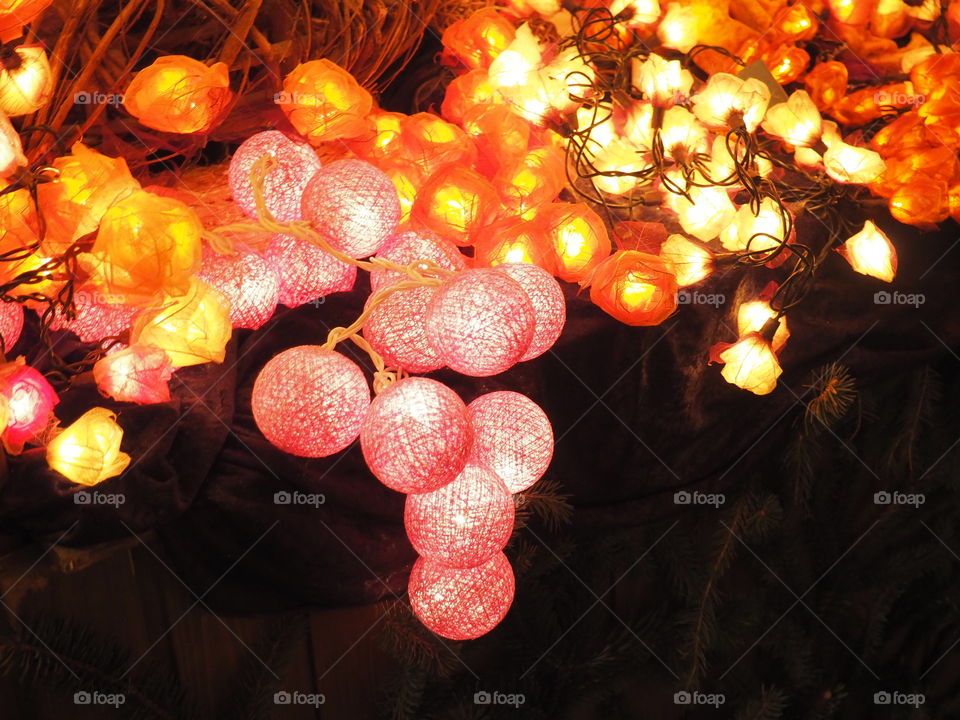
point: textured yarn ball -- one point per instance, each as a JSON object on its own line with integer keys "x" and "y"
{"x": 283, "y": 185}
{"x": 11, "y": 323}
{"x": 512, "y": 437}
{"x": 354, "y": 205}
{"x": 461, "y": 604}
{"x": 306, "y": 272}
{"x": 410, "y": 246}
{"x": 396, "y": 329}
{"x": 95, "y": 319}
{"x": 463, "y": 523}
{"x": 248, "y": 281}
{"x": 309, "y": 401}
{"x": 549, "y": 305}
{"x": 480, "y": 322}
{"x": 416, "y": 435}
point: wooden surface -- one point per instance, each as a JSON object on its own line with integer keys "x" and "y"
{"x": 128, "y": 595}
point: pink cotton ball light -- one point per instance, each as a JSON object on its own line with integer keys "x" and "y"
{"x": 95, "y": 319}
{"x": 416, "y": 435}
{"x": 30, "y": 401}
{"x": 309, "y": 401}
{"x": 306, "y": 272}
{"x": 353, "y": 205}
{"x": 395, "y": 329}
{"x": 512, "y": 437}
{"x": 11, "y": 323}
{"x": 283, "y": 185}
{"x": 480, "y": 322}
{"x": 464, "y": 522}
{"x": 461, "y": 604}
{"x": 248, "y": 281}
{"x": 410, "y": 247}
{"x": 549, "y": 305}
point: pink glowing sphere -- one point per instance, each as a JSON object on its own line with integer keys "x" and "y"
{"x": 98, "y": 316}
{"x": 283, "y": 185}
{"x": 461, "y": 604}
{"x": 549, "y": 305}
{"x": 416, "y": 435}
{"x": 309, "y": 401}
{"x": 30, "y": 399}
{"x": 11, "y": 323}
{"x": 353, "y": 205}
{"x": 480, "y": 322}
{"x": 139, "y": 374}
{"x": 395, "y": 329}
{"x": 464, "y": 522}
{"x": 411, "y": 246}
{"x": 306, "y": 272}
{"x": 249, "y": 283}
{"x": 512, "y": 437}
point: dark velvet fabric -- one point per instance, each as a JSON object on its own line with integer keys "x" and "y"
{"x": 637, "y": 413}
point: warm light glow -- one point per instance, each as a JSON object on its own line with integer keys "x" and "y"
{"x": 88, "y": 451}
{"x": 726, "y": 101}
{"x": 796, "y": 121}
{"x": 870, "y": 252}
{"x": 679, "y": 28}
{"x": 579, "y": 237}
{"x": 850, "y": 164}
{"x": 27, "y": 88}
{"x": 691, "y": 263}
{"x": 708, "y": 211}
{"x": 663, "y": 82}
{"x": 751, "y": 364}
{"x": 636, "y": 13}
{"x": 754, "y": 314}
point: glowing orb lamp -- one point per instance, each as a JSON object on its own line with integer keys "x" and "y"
{"x": 549, "y": 305}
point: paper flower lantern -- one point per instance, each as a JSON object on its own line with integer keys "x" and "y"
{"x": 635, "y": 287}
{"x": 579, "y": 237}
{"x": 760, "y": 232}
{"x": 429, "y": 142}
{"x": 411, "y": 246}
{"x": 706, "y": 213}
{"x": 309, "y": 401}
{"x": 465, "y": 522}
{"x": 749, "y": 363}
{"x": 139, "y": 374}
{"x": 664, "y": 82}
{"x": 192, "y": 329}
{"x": 512, "y": 437}
{"x": 95, "y": 319}
{"x": 88, "y": 451}
{"x": 30, "y": 402}
{"x": 850, "y": 164}
{"x": 88, "y": 183}
{"x": 11, "y": 324}
{"x": 691, "y": 263}
{"x": 502, "y": 138}
{"x": 797, "y": 121}
{"x": 11, "y": 149}
{"x": 396, "y": 329}
{"x": 679, "y": 29}
{"x": 514, "y": 240}
{"x": 406, "y": 179}
{"x": 455, "y": 203}
{"x": 147, "y": 244}
{"x": 480, "y": 322}
{"x": 249, "y": 283}
{"x": 753, "y": 315}
{"x": 26, "y": 82}
{"x": 307, "y": 272}
{"x": 476, "y": 40}
{"x": 728, "y": 101}
{"x": 534, "y": 179}
{"x": 461, "y": 604}
{"x": 416, "y": 435}
{"x": 177, "y": 94}
{"x": 353, "y": 205}
{"x": 324, "y": 102}
{"x": 870, "y": 252}
{"x": 466, "y": 91}
{"x": 14, "y": 14}
{"x": 283, "y": 185}
{"x": 549, "y": 305}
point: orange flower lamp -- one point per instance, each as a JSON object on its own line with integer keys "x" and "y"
{"x": 634, "y": 287}
{"x": 324, "y": 102}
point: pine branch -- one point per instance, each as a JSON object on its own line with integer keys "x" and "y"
{"x": 834, "y": 391}
{"x": 545, "y": 502}
{"x": 406, "y": 638}
{"x": 409, "y": 696}
{"x": 58, "y": 655}
{"x": 250, "y": 697}
{"x": 918, "y": 418}
{"x": 769, "y": 706}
